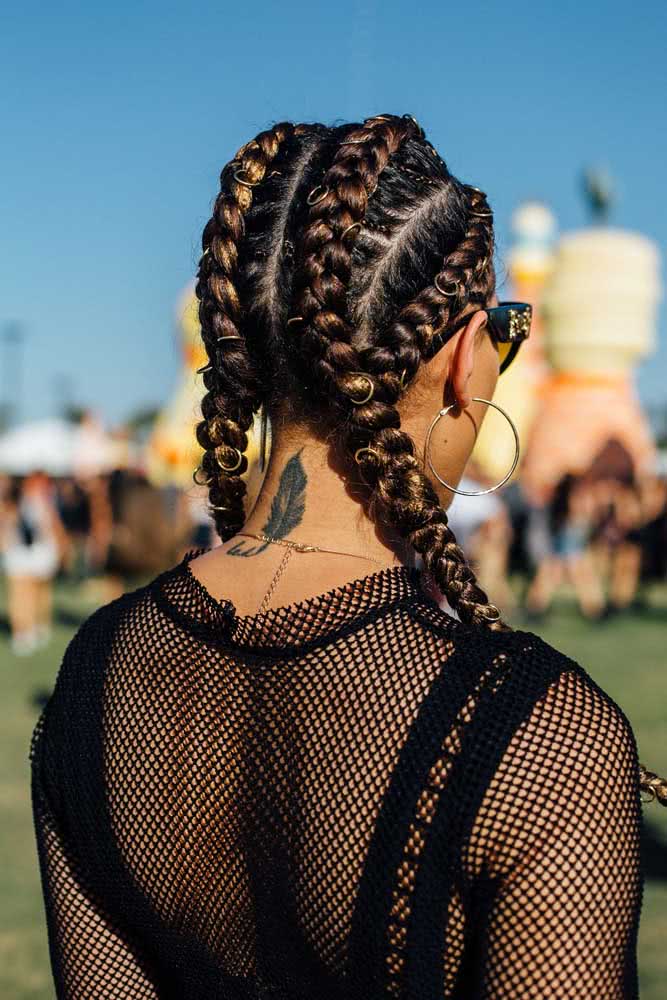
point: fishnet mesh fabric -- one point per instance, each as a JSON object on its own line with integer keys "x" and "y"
{"x": 353, "y": 797}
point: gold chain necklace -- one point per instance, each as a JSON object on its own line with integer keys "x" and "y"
{"x": 303, "y": 546}
{"x": 294, "y": 547}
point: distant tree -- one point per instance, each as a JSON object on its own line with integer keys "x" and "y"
{"x": 5, "y": 417}
{"x": 73, "y": 413}
{"x": 140, "y": 423}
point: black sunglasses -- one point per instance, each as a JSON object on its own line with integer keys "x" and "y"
{"x": 508, "y": 323}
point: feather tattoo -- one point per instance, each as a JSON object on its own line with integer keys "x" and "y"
{"x": 287, "y": 507}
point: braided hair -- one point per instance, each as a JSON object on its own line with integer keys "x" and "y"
{"x": 332, "y": 256}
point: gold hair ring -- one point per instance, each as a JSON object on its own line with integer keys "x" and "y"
{"x": 371, "y": 389}
{"x": 355, "y": 225}
{"x": 495, "y": 616}
{"x": 229, "y": 468}
{"x": 316, "y": 201}
{"x": 199, "y": 481}
{"x": 242, "y": 180}
{"x": 482, "y": 215}
{"x": 228, "y": 336}
{"x": 204, "y": 368}
{"x": 365, "y": 450}
{"x": 402, "y": 381}
{"x": 414, "y": 120}
{"x": 213, "y": 506}
{"x": 294, "y": 319}
{"x": 442, "y": 290}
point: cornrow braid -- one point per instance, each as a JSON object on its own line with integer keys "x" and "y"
{"x": 233, "y": 389}
{"x": 401, "y": 491}
{"x": 371, "y": 430}
{"x": 337, "y": 210}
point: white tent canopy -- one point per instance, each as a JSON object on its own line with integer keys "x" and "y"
{"x": 55, "y": 446}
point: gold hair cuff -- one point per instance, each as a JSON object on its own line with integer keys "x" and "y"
{"x": 365, "y": 450}
{"x": 294, "y": 319}
{"x": 200, "y": 482}
{"x": 229, "y": 468}
{"x": 242, "y": 180}
{"x": 204, "y": 368}
{"x": 228, "y": 336}
{"x": 316, "y": 201}
{"x": 371, "y": 389}
{"x": 442, "y": 290}
{"x": 355, "y": 225}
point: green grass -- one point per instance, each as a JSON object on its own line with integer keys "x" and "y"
{"x": 626, "y": 656}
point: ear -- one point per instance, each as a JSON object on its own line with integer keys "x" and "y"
{"x": 463, "y": 359}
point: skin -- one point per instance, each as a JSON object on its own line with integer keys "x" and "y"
{"x": 332, "y": 516}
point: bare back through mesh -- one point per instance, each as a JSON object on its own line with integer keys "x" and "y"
{"x": 354, "y": 797}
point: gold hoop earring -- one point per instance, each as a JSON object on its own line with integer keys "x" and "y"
{"x": 263, "y": 434}
{"x": 472, "y": 493}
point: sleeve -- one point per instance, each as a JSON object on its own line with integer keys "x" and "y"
{"x": 559, "y": 832}
{"x": 92, "y": 954}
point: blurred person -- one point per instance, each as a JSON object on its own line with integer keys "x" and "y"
{"x": 572, "y": 515}
{"x": 653, "y": 531}
{"x": 626, "y": 548}
{"x": 98, "y": 492}
{"x": 74, "y": 509}
{"x": 202, "y": 534}
{"x": 484, "y": 530}
{"x": 33, "y": 540}
{"x": 294, "y": 774}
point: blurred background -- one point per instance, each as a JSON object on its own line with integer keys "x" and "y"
{"x": 116, "y": 122}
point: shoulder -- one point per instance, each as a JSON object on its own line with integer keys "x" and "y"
{"x": 547, "y": 723}
{"x": 77, "y": 690}
{"x": 568, "y": 700}
{"x": 571, "y": 687}
{"x": 568, "y": 757}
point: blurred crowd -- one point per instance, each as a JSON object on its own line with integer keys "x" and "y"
{"x": 99, "y": 533}
{"x": 600, "y": 538}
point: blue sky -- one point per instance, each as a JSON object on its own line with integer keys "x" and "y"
{"x": 116, "y": 119}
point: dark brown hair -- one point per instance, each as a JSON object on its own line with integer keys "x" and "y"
{"x": 340, "y": 231}
{"x": 317, "y": 281}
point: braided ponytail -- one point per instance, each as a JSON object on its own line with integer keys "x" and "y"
{"x": 402, "y": 492}
{"x": 233, "y": 389}
{"x": 371, "y": 430}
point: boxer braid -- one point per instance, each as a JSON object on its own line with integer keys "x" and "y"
{"x": 400, "y": 490}
{"x": 231, "y": 378}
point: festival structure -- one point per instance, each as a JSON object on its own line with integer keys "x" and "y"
{"x": 599, "y": 311}
{"x": 570, "y": 392}
{"x": 518, "y": 391}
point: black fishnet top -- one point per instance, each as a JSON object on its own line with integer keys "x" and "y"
{"x": 355, "y": 797}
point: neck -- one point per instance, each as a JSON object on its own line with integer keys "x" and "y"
{"x": 305, "y": 499}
